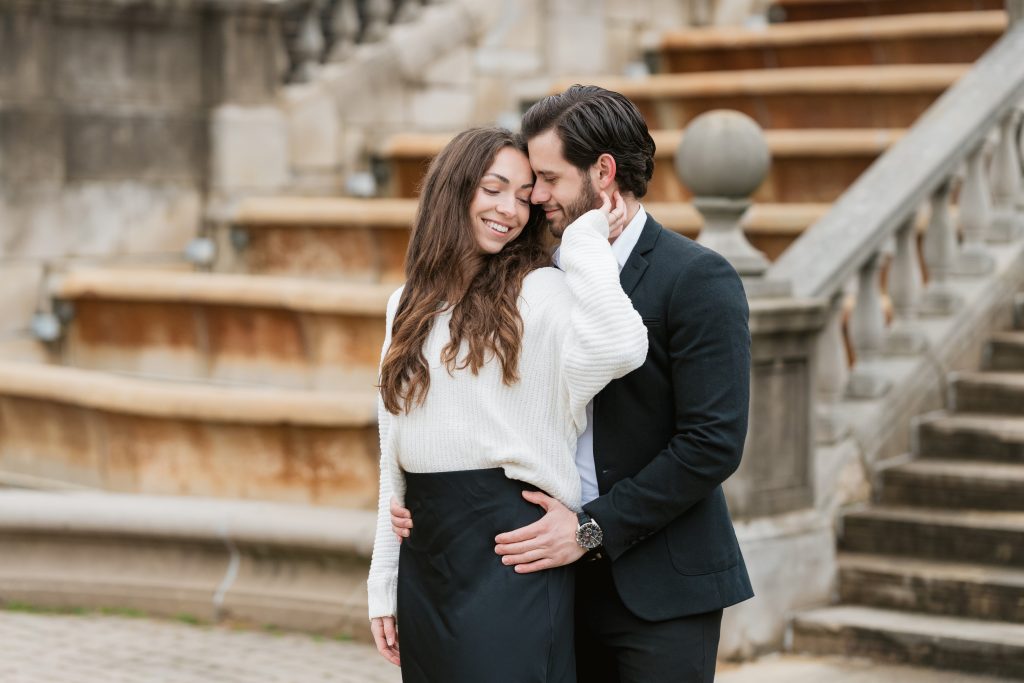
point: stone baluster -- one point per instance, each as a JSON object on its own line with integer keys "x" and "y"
{"x": 833, "y": 374}
{"x": 408, "y": 10}
{"x": 309, "y": 46}
{"x": 905, "y": 335}
{"x": 723, "y": 158}
{"x": 344, "y": 29}
{"x": 940, "y": 254}
{"x": 1006, "y": 181}
{"x": 378, "y": 13}
{"x": 867, "y": 334}
{"x": 975, "y": 217}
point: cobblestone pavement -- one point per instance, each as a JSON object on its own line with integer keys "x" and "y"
{"x": 59, "y": 648}
{"x": 56, "y": 648}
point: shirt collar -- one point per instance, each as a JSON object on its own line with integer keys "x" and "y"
{"x": 623, "y": 245}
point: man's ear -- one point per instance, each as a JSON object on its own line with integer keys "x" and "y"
{"x": 604, "y": 171}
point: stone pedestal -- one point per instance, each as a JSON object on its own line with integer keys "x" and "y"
{"x": 776, "y": 473}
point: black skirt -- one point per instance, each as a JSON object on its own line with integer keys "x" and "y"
{"x": 463, "y": 616}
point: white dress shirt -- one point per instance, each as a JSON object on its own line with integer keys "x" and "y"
{"x": 622, "y": 247}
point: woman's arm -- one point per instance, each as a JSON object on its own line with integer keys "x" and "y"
{"x": 382, "y": 584}
{"x": 606, "y": 338}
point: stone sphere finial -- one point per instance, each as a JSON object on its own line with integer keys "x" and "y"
{"x": 723, "y": 154}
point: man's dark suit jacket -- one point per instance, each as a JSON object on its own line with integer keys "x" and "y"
{"x": 669, "y": 433}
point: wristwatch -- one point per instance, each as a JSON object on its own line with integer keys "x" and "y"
{"x": 588, "y": 533}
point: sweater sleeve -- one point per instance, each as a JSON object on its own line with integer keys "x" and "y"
{"x": 382, "y": 584}
{"x": 606, "y": 338}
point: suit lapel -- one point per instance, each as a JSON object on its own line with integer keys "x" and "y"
{"x": 637, "y": 262}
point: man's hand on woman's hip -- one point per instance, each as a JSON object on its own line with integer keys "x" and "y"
{"x": 549, "y": 542}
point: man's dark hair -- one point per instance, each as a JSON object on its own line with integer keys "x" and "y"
{"x": 591, "y": 121}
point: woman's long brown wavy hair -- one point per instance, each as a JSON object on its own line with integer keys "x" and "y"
{"x": 442, "y": 255}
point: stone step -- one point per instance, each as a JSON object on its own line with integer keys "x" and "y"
{"x": 886, "y": 96}
{"x": 987, "y": 392}
{"x": 807, "y": 165}
{"x": 993, "y": 648}
{"x": 267, "y": 564}
{"x": 932, "y": 587}
{"x": 377, "y": 250}
{"x": 937, "y": 38}
{"x": 970, "y": 484}
{"x": 1005, "y": 352}
{"x": 135, "y": 435}
{"x": 813, "y": 10}
{"x": 288, "y": 332}
{"x": 976, "y": 536}
{"x": 964, "y": 435}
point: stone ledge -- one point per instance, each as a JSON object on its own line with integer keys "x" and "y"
{"x": 295, "y": 294}
{"x": 951, "y": 24}
{"x": 150, "y": 398}
{"x": 818, "y": 142}
{"x": 902, "y": 79}
{"x": 202, "y": 520}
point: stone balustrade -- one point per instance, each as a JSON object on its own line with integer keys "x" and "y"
{"x": 328, "y": 31}
{"x": 969, "y": 141}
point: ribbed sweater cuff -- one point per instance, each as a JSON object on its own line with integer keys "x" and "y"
{"x": 383, "y": 596}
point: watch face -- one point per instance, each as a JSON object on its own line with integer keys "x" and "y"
{"x": 589, "y": 535}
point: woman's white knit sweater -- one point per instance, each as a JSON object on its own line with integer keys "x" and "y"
{"x": 580, "y": 331}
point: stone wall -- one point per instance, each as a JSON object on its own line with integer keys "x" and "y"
{"x": 105, "y": 127}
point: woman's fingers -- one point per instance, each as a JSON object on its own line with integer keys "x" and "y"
{"x": 380, "y": 627}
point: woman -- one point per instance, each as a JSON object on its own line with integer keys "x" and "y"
{"x": 489, "y": 362}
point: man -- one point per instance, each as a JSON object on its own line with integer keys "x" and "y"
{"x": 657, "y": 555}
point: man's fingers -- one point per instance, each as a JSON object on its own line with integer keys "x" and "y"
{"x": 519, "y": 548}
{"x": 539, "y": 565}
{"x": 521, "y": 534}
{"x": 526, "y": 557}
{"x": 539, "y": 498}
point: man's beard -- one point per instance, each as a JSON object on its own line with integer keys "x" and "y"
{"x": 585, "y": 201}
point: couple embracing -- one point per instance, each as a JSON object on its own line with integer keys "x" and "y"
{"x": 555, "y": 430}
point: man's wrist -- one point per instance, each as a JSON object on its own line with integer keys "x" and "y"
{"x": 589, "y": 535}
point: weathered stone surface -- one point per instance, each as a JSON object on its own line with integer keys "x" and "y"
{"x": 985, "y": 437}
{"x": 22, "y": 286}
{"x": 249, "y": 149}
{"x": 1005, "y": 352}
{"x": 950, "y": 38}
{"x": 941, "y": 642}
{"x": 166, "y": 438}
{"x": 769, "y": 545}
{"x": 776, "y": 472}
{"x": 136, "y": 147}
{"x": 932, "y": 587}
{"x": 992, "y": 392}
{"x": 291, "y": 566}
{"x": 952, "y": 484}
{"x": 957, "y": 535}
{"x": 813, "y": 10}
{"x": 230, "y": 328}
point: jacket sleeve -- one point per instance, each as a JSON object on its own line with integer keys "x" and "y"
{"x": 605, "y": 338}
{"x": 382, "y": 584}
{"x": 709, "y": 355}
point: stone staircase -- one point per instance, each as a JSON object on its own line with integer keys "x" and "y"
{"x": 255, "y": 380}
{"x": 933, "y": 571}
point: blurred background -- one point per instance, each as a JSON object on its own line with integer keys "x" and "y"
{"x": 204, "y": 205}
